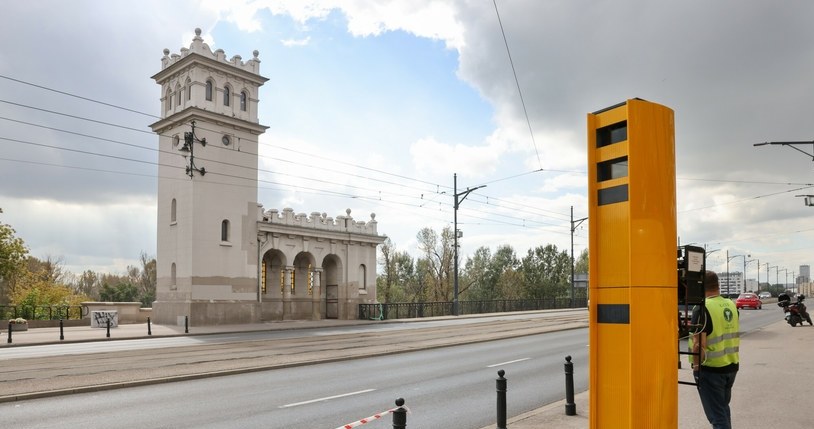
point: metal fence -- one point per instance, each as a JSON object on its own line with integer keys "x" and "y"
{"x": 43, "y": 312}
{"x": 413, "y": 310}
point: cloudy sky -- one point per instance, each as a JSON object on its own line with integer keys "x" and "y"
{"x": 374, "y": 105}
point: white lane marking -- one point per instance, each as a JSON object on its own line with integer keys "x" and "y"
{"x": 509, "y": 362}
{"x": 327, "y": 398}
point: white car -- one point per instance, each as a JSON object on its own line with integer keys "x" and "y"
{"x": 764, "y": 295}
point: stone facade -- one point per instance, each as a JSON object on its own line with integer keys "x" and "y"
{"x": 221, "y": 259}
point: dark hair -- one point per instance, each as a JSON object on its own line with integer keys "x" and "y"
{"x": 711, "y": 281}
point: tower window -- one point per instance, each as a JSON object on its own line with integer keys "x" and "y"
{"x": 169, "y": 101}
{"x": 189, "y": 89}
{"x": 362, "y": 277}
{"x": 178, "y": 95}
{"x": 243, "y": 100}
{"x": 224, "y": 230}
{"x": 173, "y": 276}
{"x": 227, "y": 94}
{"x": 173, "y": 211}
{"x": 209, "y": 89}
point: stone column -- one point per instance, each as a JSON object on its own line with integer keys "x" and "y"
{"x": 316, "y": 297}
{"x": 287, "y": 293}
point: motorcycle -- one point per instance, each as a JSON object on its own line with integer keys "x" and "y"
{"x": 795, "y": 311}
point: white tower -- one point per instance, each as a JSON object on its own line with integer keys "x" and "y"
{"x": 207, "y": 187}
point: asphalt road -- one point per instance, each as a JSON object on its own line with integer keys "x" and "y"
{"x": 72, "y": 368}
{"x": 451, "y": 387}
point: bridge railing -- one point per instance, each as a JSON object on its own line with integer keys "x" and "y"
{"x": 43, "y": 312}
{"x": 413, "y": 310}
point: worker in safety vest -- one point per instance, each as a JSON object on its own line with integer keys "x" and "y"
{"x": 715, "y": 342}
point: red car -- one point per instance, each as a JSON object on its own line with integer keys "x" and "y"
{"x": 748, "y": 300}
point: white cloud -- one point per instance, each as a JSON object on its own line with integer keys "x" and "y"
{"x": 296, "y": 42}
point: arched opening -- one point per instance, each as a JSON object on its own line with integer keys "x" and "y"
{"x": 224, "y": 230}
{"x": 302, "y": 277}
{"x": 173, "y": 277}
{"x": 331, "y": 277}
{"x": 243, "y": 101}
{"x": 362, "y": 277}
{"x": 273, "y": 274}
{"x": 173, "y": 212}
{"x": 209, "y": 90}
{"x": 227, "y": 95}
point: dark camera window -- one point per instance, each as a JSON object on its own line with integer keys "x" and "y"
{"x": 612, "y": 169}
{"x": 611, "y": 134}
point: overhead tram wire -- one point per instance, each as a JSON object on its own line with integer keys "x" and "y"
{"x": 136, "y": 129}
{"x": 298, "y": 187}
{"x": 79, "y": 96}
{"x": 517, "y": 82}
{"x": 362, "y": 167}
{"x": 203, "y": 128}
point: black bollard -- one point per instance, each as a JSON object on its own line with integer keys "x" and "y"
{"x": 400, "y": 415}
{"x": 9, "y": 333}
{"x": 501, "y": 400}
{"x": 186, "y": 324}
{"x": 61, "y": 330}
{"x": 108, "y": 328}
{"x": 570, "y": 406}
{"x": 149, "y": 331}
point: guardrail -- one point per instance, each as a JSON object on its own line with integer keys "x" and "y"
{"x": 413, "y": 310}
{"x": 43, "y": 312}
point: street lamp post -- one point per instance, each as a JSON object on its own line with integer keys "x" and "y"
{"x": 729, "y": 279}
{"x": 744, "y": 273}
{"x": 574, "y": 225}
{"x": 458, "y": 202}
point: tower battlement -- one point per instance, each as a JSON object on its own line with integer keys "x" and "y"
{"x": 317, "y": 220}
{"x": 199, "y": 47}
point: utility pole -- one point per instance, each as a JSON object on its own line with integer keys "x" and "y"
{"x": 458, "y": 202}
{"x": 574, "y": 225}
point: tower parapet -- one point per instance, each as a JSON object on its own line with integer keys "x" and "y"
{"x": 199, "y": 47}
{"x": 321, "y": 221}
{"x": 199, "y": 79}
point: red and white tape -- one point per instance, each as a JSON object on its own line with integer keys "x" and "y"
{"x": 368, "y": 419}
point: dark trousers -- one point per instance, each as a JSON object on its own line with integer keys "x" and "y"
{"x": 715, "y": 390}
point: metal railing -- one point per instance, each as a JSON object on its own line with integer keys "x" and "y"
{"x": 413, "y": 310}
{"x": 43, "y": 312}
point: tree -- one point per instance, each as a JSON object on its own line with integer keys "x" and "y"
{"x": 545, "y": 273}
{"x": 490, "y": 277}
{"x": 437, "y": 266}
{"x": 34, "y": 289}
{"x": 122, "y": 292}
{"x": 147, "y": 280}
{"x": 581, "y": 265}
{"x": 13, "y": 255}
{"x": 398, "y": 273}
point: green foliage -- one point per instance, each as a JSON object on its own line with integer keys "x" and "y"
{"x": 434, "y": 271}
{"x": 122, "y": 292}
{"x": 489, "y": 277}
{"x": 13, "y": 255}
{"x": 544, "y": 273}
{"x": 398, "y": 272}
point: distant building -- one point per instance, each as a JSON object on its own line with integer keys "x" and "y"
{"x": 220, "y": 257}
{"x": 805, "y": 275}
{"x": 731, "y": 283}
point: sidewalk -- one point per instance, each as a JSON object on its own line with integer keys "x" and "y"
{"x": 36, "y": 336}
{"x": 773, "y": 383}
